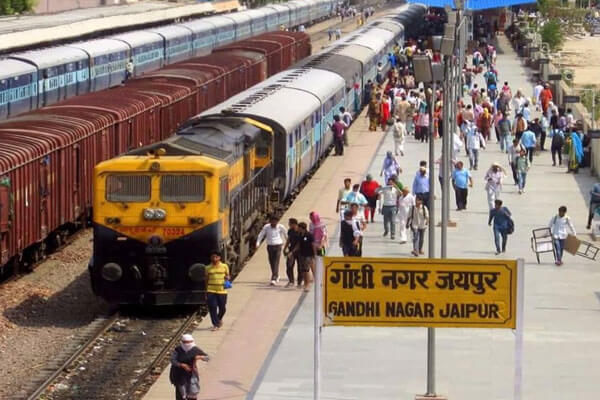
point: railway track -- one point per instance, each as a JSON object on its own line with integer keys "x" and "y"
{"x": 121, "y": 354}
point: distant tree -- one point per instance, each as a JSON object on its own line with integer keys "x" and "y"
{"x": 552, "y": 34}
{"x": 6, "y": 7}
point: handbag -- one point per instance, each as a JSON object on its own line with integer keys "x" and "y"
{"x": 227, "y": 284}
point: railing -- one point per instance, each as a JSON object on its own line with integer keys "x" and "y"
{"x": 252, "y": 196}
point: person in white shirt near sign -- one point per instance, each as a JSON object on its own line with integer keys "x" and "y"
{"x": 560, "y": 227}
{"x": 405, "y": 204}
{"x": 275, "y": 235}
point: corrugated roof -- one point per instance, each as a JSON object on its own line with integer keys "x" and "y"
{"x": 474, "y": 4}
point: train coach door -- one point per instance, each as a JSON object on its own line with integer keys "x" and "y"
{"x": 5, "y": 211}
{"x": 77, "y": 167}
{"x": 44, "y": 195}
{"x": 298, "y": 162}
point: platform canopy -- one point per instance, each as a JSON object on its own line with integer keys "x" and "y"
{"x": 474, "y": 4}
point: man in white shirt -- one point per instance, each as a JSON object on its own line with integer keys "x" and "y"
{"x": 275, "y": 235}
{"x": 388, "y": 202}
{"x": 560, "y": 225}
{"x": 537, "y": 90}
{"x": 355, "y": 196}
{"x": 405, "y": 203}
{"x": 475, "y": 141}
{"x": 342, "y": 193}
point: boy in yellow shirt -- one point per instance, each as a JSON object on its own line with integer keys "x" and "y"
{"x": 216, "y": 295}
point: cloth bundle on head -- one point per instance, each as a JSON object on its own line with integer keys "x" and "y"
{"x": 317, "y": 228}
{"x": 187, "y": 342}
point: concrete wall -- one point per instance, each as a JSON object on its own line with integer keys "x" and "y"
{"x": 53, "y": 6}
{"x": 559, "y": 90}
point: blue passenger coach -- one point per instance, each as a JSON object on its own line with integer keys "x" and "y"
{"x": 107, "y": 62}
{"x": 78, "y": 68}
{"x": 62, "y": 72}
{"x": 18, "y": 87}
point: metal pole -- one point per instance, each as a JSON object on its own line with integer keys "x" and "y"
{"x": 518, "y": 383}
{"x": 445, "y": 156}
{"x": 317, "y": 328}
{"x": 431, "y": 245}
{"x": 593, "y": 109}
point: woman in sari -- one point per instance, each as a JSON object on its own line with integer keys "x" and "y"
{"x": 385, "y": 112}
{"x": 575, "y": 152}
{"x": 373, "y": 114}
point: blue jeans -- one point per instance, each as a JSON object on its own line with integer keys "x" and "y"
{"x": 498, "y": 236}
{"x": 473, "y": 158}
{"x": 505, "y": 140}
{"x": 216, "y": 307}
{"x": 559, "y": 247}
{"x": 389, "y": 216}
{"x": 522, "y": 180}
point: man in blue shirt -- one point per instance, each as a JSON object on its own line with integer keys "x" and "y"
{"x": 594, "y": 203}
{"x": 462, "y": 180}
{"x": 528, "y": 141}
{"x": 502, "y": 224}
{"x": 420, "y": 187}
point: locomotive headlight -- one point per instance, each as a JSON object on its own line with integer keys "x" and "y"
{"x": 148, "y": 214}
{"x": 160, "y": 214}
{"x": 112, "y": 272}
{"x": 154, "y": 214}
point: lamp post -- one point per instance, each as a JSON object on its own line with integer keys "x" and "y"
{"x": 430, "y": 73}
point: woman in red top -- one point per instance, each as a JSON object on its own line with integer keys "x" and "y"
{"x": 368, "y": 188}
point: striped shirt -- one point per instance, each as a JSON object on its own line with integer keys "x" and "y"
{"x": 215, "y": 275}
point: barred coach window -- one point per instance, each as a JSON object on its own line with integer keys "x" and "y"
{"x": 182, "y": 188}
{"x": 128, "y": 188}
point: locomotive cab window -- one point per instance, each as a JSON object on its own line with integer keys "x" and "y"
{"x": 182, "y": 188}
{"x": 128, "y": 188}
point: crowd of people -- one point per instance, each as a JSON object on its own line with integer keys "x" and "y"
{"x": 521, "y": 126}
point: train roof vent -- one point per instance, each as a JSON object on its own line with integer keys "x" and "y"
{"x": 255, "y": 97}
{"x": 200, "y": 148}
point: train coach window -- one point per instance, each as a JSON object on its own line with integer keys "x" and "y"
{"x": 182, "y": 188}
{"x": 128, "y": 188}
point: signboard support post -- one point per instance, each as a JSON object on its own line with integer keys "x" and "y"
{"x": 318, "y": 287}
{"x": 519, "y": 329}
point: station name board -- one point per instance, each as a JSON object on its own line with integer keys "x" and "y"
{"x": 419, "y": 292}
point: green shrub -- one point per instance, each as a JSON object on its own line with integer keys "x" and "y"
{"x": 6, "y": 7}
{"x": 552, "y": 34}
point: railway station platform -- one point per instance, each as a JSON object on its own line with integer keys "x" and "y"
{"x": 562, "y": 304}
{"x": 264, "y": 350}
{"x": 29, "y": 30}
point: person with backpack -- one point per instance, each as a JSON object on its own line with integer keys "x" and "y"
{"x": 503, "y": 225}
{"x": 556, "y": 146}
{"x": 560, "y": 225}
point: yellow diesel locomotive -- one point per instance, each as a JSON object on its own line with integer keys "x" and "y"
{"x": 161, "y": 209}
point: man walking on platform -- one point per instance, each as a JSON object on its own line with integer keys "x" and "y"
{"x": 560, "y": 227}
{"x": 420, "y": 185}
{"x": 275, "y": 235}
{"x": 462, "y": 180}
{"x": 368, "y": 188}
{"x": 528, "y": 141}
{"x": 289, "y": 251}
{"x": 418, "y": 219}
{"x": 594, "y": 203}
{"x": 342, "y": 193}
{"x": 503, "y": 225}
{"x": 350, "y": 235}
{"x": 404, "y": 206}
{"x": 389, "y": 196}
